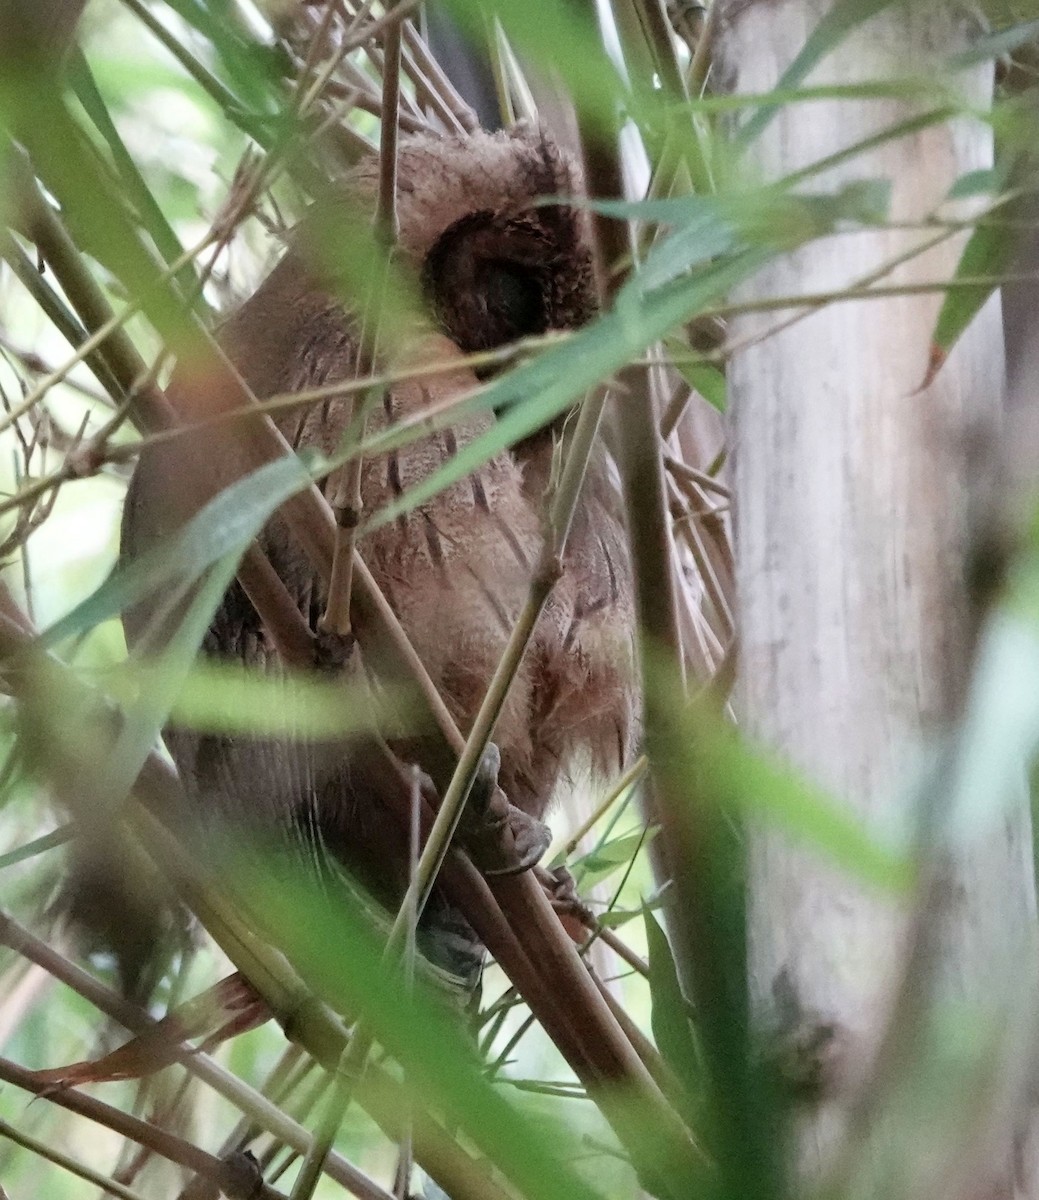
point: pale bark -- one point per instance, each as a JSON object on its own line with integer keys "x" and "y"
{"x": 851, "y": 492}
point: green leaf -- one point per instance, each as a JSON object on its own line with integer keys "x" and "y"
{"x": 124, "y": 80}
{"x": 251, "y": 67}
{"x": 988, "y": 252}
{"x": 672, "y": 1030}
{"x": 725, "y": 219}
{"x": 341, "y": 961}
{"x": 841, "y": 19}
{"x": 721, "y": 244}
{"x": 560, "y": 36}
{"x": 997, "y": 44}
{"x": 40, "y": 845}
{"x": 610, "y": 857}
{"x": 776, "y": 795}
{"x": 999, "y": 734}
{"x": 907, "y": 87}
{"x": 705, "y": 227}
{"x": 703, "y": 378}
{"x": 535, "y": 393}
{"x": 615, "y": 918}
{"x": 145, "y": 720}
{"x": 976, "y": 183}
{"x": 218, "y": 696}
{"x": 223, "y": 527}
{"x": 720, "y": 768}
{"x": 148, "y": 209}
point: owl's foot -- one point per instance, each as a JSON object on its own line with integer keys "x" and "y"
{"x": 562, "y": 889}
{"x": 334, "y": 651}
{"x": 500, "y": 838}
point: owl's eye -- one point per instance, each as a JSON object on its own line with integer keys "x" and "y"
{"x": 515, "y": 300}
{"x": 488, "y": 281}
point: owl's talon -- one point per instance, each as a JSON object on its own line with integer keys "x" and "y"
{"x": 485, "y": 784}
{"x": 500, "y": 838}
{"x": 333, "y": 651}
{"x": 562, "y": 887}
{"x": 241, "y": 1178}
{"x": 530, "y": 840}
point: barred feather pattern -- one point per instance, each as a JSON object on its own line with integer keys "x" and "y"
{"x": 457, "y": 568}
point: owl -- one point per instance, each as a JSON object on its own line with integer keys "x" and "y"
{"x": 491, "y": 264}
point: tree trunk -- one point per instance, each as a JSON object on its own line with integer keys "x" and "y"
{"x": 852, "y": 488}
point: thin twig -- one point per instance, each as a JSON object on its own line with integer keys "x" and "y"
{"x": 442, "y": 90}
{"x": 347, "y": 503}
{"x": 547, "y": 572}
{"x": 165, "y": 1144}
{"x": 81, "y": 1170}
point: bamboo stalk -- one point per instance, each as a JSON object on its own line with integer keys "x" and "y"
{"x": 227, "y": 1175}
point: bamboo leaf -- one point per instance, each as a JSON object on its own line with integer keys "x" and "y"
{"x": 672, "y": 1030}
{"x": 728, "y": 242}
{"x": 703, "y": 378}
{"x": 996, "y": 45}
{"x": 226, "y": 697}
{"x": 988, "y": 252}
{"x": 610, "y": 857}
{"x": 340, "y": 959}
{"x": 766, "y": 791}
{"x": 145, "y": 720}
{"x": 841, "y": 19}
{"x": 537, "y": 392}
{"x": 252, "y": 68}
{"x": 739, "y": 778}
{"x": 151, "y": 214}
{"x": 555, "y": 35}
{"x": 999, "y": 735}
{"x": 976, "y": 183}
{"x": 225, "y": 526}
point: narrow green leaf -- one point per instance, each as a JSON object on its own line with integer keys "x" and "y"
{"x": 610, "y": 857}
{"x": 224, "y": 526}
{"x": 988, "y": 252}
{"x": 756, "y": 211}
{"x": 703, "y": 378}
{"x": 661, "y": 295}
{"x": 536, "y": 392}
{"x": 996, "y": 44}
{"x": 976, "y": 183}
{"x": 907, "y": 87}
{"x": 49, "y": 841}
{"x": 839, "y": 20}
{"x": 560, "y": 36}
{"x": 776, "y": 795}
{"x": 145, "y": 720}
{"x": 148, "y": 209}
{"x": 727, "y": 771}
{"x": 251, "y": 67}
{"x": 999, "y": 734}
{"x": 340, "y": 960}
{"x": 669, "y": 1016}
{"x": 217, "y": 696}
{"x": 704, "y": 227}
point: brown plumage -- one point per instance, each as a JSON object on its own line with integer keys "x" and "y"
{"x": 456, "y": 570}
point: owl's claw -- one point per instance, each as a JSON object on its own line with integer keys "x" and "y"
{"x": 530, "y": 839}
{"x": 500, "y": 838}
{"x": 562, "y": 888}
{"x": 334, "y": 651}
{"x": 486, "y": 782}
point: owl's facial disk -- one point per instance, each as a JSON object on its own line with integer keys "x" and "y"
{"x": 492, "y": 278}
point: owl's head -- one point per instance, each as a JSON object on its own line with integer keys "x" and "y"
{"x": 494, "y": 264}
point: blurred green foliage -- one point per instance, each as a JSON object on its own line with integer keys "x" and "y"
{"x": 162, "y": 114}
